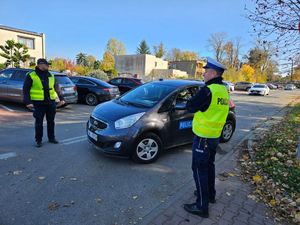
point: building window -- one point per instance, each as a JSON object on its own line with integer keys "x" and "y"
{"x": 155, "y": 64}
{"x": 31, "y": 61}
{"x": 28, "y": 42}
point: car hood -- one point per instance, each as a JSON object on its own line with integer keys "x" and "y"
{"x": 113, "y": 110}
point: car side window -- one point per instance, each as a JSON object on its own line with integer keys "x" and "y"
{"x": 167, "y": 105}
{"x": 6, "y": 74}
{"x": 128, "y": 82}
{"x": 185, "y": 94}
{"x": 19, "y": 75}
{"x": 116, "y": 81}
{"x": 85, "y": 82}
{"x": 75, "y": 80}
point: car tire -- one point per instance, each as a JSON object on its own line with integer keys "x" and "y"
{"x": 91, "y": 99}
{"x": 247, "y": 89}
{"x": 147, "y": 148}
{"x": 227, "y": 131}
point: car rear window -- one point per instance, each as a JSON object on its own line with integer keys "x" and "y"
{"x": 259, "y": 86}
{"x": 63, "y": 79}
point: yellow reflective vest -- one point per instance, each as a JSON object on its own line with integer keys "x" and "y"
{"x": 209, "y": 124}
{"x": 37, "y": 89}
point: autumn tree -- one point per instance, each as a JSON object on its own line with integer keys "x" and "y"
{"x": 277, "y": 21}
{"x": 108, "y": 64}
{"x": 90, "y": 60}
{"x": 143, "y": 48}
{"x": 176, "y": 54}
{"x": 115, "y": 47}
{"x": 247, "y": 73}
{"x": 159, "y": 50}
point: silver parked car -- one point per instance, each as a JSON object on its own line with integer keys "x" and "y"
{"x": 243, "y": 86}
{"x": 290, "y": 87}
{"x": 12, "y": 79}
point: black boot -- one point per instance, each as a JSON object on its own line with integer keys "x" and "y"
{"x": 53, "y": 141}
{"x": 193, "y": 209}
{"x": 211, "y": 200}
{"x": 38, "y": 144}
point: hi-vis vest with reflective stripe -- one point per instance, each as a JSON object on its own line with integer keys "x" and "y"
{"x": 37, "y": 89}
{"x": 209, "y": 124}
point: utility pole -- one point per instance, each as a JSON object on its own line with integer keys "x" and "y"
{"x": 292, "y": 69}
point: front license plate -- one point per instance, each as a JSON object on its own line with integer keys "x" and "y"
{"x": 69, "y": 90}
{"x": 92, "y": 135}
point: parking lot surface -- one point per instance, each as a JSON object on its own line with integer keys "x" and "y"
{"x": 71, "y": 183}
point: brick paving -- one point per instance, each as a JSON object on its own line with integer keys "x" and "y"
{"x": 233, "y": 206}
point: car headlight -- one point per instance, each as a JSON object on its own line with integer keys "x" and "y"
{"x": 128, "y": 121}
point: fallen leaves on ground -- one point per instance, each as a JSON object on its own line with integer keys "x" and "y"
{"x": 274, "y": 170}
{"x": 53, "y": 206}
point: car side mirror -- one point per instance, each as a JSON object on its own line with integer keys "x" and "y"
{"x": 180, "y": 106}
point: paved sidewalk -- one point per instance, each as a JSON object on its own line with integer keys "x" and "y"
{"x": 233, "y": 206}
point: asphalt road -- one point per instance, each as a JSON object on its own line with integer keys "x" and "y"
{"x": 71, "y": 183}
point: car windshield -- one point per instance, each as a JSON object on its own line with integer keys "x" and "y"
{"x": 63, "y": 79}
{"x": 147, "y": 95}
{"x": 259, "y": 86}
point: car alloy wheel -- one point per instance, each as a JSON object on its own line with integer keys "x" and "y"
{"x": 147, "y": 149}
{"x": 227, "y": 131}
{"x": 91, "y": 99}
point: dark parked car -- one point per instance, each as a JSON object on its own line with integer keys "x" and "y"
{"x": 148, "y": 119}
{"x": 243, "y": 86}
{"x": 93, "y": 91}
{"x": 11, "y": 85}
{"x": 125, "y": 84}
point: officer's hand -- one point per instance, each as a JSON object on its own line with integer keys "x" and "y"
{"x": 30, "y": 106}
{"x": 62, "y": 102}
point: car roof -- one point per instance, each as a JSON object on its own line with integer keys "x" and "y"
{"x": 179, "y": 83}
{"x": 56, "y": 73}
{"x": 131, "y": 78}
{"x": 96, "y": 80}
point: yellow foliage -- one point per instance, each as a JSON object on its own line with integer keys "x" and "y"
{"x": 247, "y": 72}
{"x": 257, "y": 178}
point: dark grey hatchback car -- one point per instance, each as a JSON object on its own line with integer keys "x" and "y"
{"x": 148, "y": 119}
{"x": 12, "y": 79}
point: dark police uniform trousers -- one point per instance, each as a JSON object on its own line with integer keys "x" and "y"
{"x": 40, "y": 110}
{"x": 203, "y": 166}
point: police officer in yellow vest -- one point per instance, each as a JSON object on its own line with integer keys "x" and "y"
{"x": 211, "y": 107}
{"x": 40, "y": 92}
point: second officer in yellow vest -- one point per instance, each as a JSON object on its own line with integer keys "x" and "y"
{"x": 40, "y": 93}
{"x": 211, "y": 106}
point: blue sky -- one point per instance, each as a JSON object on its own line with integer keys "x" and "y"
{"x": 85, "y": 26}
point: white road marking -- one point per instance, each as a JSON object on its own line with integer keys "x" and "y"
{"x": 75, "y": 141}
{"x": 8, "y": 155}
{"x": 71, "y": 139}
{"x": 6, "y": 108}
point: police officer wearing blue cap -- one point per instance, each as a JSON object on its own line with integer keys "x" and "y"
{"x": 210, "y": 107}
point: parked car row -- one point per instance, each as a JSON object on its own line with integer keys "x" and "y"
{"x": 73, "y": 89}
{"x": 11, "y": 85}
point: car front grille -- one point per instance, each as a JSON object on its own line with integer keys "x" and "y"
{"x": 98, "y": 123}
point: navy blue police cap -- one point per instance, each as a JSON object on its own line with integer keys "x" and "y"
{"x": 213, "y": 64}
{"x": 43, "y": 61}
